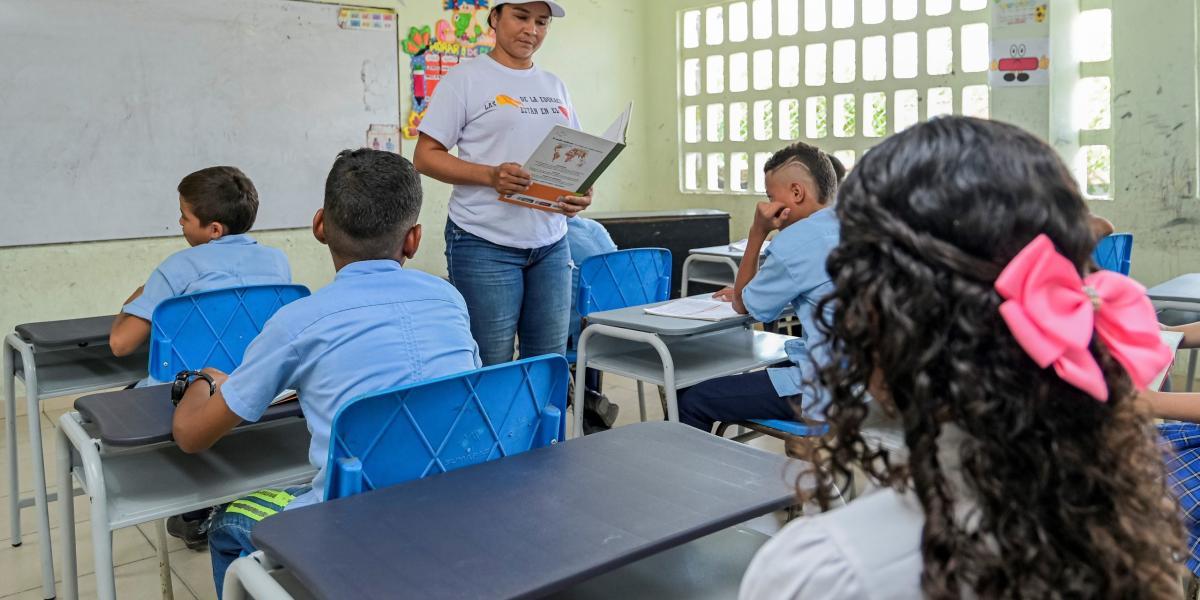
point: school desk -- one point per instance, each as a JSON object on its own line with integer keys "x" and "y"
{"x": 1180, "y": 293}
{"x": 675, "y": 230}
{"x": 118, "y": 446}
{"x": 669, "y": 351}
{"x": 52, "y": 359}
{"x": 713, "y": 265}
{"x": 529, "y": 525}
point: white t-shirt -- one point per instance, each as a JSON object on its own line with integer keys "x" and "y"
{"x": 494, "y": 115}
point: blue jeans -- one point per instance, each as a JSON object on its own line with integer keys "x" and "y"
{"x": 229, "y": 533}
{"x": 511, "y": 293}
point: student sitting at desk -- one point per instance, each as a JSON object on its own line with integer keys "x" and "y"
{"x": 1181, "y": 440}
{"x": 217, "y": 206}
{"x": 801, "y": 183}
{"x": 963, "y": 304}
{"x": 377, "y": 326}
{"x": 588, "y": 238}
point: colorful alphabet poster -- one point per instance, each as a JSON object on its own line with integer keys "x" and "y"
{"x": 435, "y": 51}
{"x": 366, "y": 18}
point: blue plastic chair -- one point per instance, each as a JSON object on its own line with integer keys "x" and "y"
{"x": 795, "y": 428}
{"x": 618, "y": 280}
{"x": 1115, "y": 253}
{"x": 212, "y": 328}
{"x": 435, "y": 426}
{"x": 624, "y": 278}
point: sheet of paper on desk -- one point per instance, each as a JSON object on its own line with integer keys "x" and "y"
{"x": 284, "y": 396}
{"x": 740, "y": 245}
{"x": 1172, "y": 339}
{"x": 704, "y": 309}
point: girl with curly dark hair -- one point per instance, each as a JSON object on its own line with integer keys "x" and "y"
{"x": 965, "y": 305}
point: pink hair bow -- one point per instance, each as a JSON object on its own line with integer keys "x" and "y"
{"x": 1053, "y": 313}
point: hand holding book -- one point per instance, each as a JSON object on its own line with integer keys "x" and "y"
{"x": 510, "y": 178}
{"x": 558, "y": 177}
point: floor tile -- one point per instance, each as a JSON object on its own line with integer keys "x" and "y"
{"x": 20, "y": 568}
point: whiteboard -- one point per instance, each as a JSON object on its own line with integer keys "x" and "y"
{"x": 106, "y": 104}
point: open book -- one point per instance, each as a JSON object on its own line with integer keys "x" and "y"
{"x": 703, "y": 307}
{"x": 568, "y": 162}
{"x": 284, "y": 396}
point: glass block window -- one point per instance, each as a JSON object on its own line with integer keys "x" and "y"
{"x": 755, "y": 75}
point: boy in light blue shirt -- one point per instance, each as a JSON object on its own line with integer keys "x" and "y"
{"x": 217, "y": 206}
{"x": 801, "y": 187}
{"x": 376, "y": 326}
{"x": 588, "y": 238}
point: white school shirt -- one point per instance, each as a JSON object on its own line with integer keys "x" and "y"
{"x": 228, "y": 261}
{"x": 868, "y": 549}
{"x": 494, "y": 115}
{"x": 376, "y": 326}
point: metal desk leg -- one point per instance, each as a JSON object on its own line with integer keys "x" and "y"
{"x": 580, "y": 383}
{"x": 67, "y": 513}
{"x": 164, "y": 561}
{"x": 684, "y": 275}
{"x": 664, "y": 354}
{"x": 642, "y": 400}
{"x": 33, "y": 414}
{"x": 93, "y": 474}
{"x": 10, "y": 425}
{"x": 247, "y": 577}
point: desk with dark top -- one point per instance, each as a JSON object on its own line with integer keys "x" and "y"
{"x": 118, "y": 446}
{"x": 54, "y": 358}
{"x": 532, "y": 524}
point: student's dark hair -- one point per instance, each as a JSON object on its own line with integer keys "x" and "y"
{"x": 372, "y": 199}
{"x": 221, "y": 194}
{"x": 1066, "y": 496}
{"x": 826, "y": 169}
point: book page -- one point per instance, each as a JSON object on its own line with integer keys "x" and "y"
{"x": 696, "y": 307}
{"x": 568, "y": 162}
{"x": 567, "y": 158}
{"x": 284, "y": 396}
{"x": 740, "y": 245}
{"x": 616, "y": 131}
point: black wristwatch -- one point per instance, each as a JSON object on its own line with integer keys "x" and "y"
{"x": 184, "y": 379}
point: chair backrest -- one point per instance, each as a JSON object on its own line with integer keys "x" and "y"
{"x": 434, "y": 426}
{"x": 212, "y": 328}
{"x": 1115, "y": 253}
{"x": 624, "y": 278}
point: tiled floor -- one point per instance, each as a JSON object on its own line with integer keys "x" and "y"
{"x": 134, "y": 551}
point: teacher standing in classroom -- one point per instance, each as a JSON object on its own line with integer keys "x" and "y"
{"x": 511, "y": 263}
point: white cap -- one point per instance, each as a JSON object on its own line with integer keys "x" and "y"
{"x": 556, "y": 9}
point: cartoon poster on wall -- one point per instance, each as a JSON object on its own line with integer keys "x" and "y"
{"x": 383, "y": 137}
{"x": 1020, "y": 63}
{"x": 433, "y": 53}
{"x": 1019, "y": 12}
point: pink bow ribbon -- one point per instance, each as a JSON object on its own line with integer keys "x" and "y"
{"x": 1053, "y": 313}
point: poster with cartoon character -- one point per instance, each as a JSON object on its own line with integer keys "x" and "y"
{"x": 1020, "y": 63}
{"x": 435, "y": 50}
{"x": 1019, "y": 12}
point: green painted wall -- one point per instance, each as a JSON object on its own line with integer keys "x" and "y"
{"x": 618, "y": 50}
